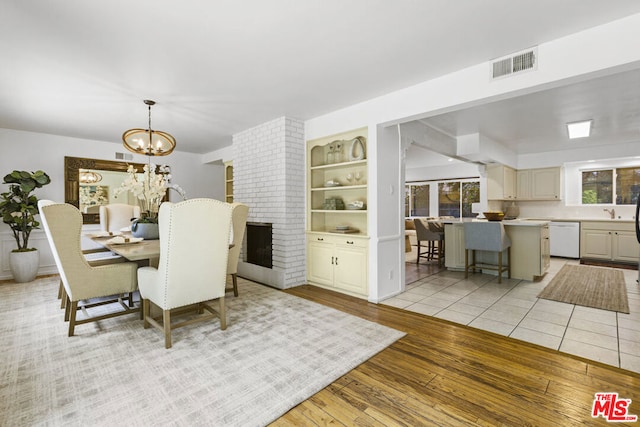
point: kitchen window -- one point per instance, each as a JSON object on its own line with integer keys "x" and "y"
{"x": 447, "y": 198}
{"x": 416, "y": 200}
{"x": 603, "y": 186}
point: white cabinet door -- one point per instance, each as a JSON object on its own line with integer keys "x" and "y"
{"x": 454, "y": 246}
{"x": 320, "y": 263}
{"x": 545, "y": 184}
{"x": 595, "y": 244}
{"x": 501, "y": 183}
{"x": 523, "y": 183}
{"x": 625, "y": 246}
{"x": 351, "y": 269}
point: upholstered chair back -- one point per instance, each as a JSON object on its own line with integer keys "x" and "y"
{"x": 62, "y": 224}
{"x": 194, "y": 251}
{"x": 239, "y": 216}
{"x": 423, "y": 232}
{"x": 116, "y": 216}
{"x": 486, "y": 236}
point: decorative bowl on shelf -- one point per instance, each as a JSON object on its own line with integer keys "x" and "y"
{"x": 493, "y": 216}
{"x": 332, "y": 183}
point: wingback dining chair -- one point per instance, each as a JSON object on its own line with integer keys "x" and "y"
{"x": 239, "y": 216}
{"x": 192, "y": 270}
{"x": 62, "y": 224}
{"x": 486, "y": 236}
{"x": 115, "y": 216}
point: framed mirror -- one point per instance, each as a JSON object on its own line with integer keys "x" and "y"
{"x": 74, "y": 166}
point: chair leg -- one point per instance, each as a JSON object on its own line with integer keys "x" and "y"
{"x": 418, "y": 257}
{"x": 222, "y": 313}
{"x": 73, "y": 307}
{"x": 67, "y": 308}
{"x": 234, "y": 279}
{"x": 499, "y": 267}
{"x": 509, "y": 260}
{"x": 466, "y": 263}
{"x": 146, "y": 312}
{"x": 166, "y": 320}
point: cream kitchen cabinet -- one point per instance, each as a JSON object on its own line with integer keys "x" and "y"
{"x": 338, "y": 262}
{"x": 538, "y": 184}
{"x": 609, "y": 240}
{"x": 501, "y": 183}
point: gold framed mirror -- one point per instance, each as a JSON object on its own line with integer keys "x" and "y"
{"x": 72, "y": 167}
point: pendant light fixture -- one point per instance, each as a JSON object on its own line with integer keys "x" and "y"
{"x": 147, "y": 141}
{"x": 89, "y": 177}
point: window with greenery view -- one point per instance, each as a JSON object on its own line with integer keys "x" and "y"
{"x": 605, "y": 186}
{"x": 416, "y": 200}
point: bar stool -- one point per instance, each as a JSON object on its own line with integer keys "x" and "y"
{"x": 490, "y": 237}
{"x": 434, "y": 239}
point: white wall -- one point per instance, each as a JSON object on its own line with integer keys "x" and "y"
{"x": 33, "y": 151}
{"x": 594, "y": 52}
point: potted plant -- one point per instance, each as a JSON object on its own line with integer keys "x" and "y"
{"x": 18, "y": 208}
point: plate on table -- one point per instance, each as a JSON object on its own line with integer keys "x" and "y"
{"x": 105, "y": 234}
{"x": 120, "y": 240}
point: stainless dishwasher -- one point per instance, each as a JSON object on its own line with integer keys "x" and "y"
{"x": 564, "y": 239}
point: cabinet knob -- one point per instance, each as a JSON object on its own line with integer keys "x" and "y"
{"x": 321, "y": 239}
{"x": 336, "y": 260}
{"x": 332, "y": 260}
{"x": 349, "y": 242}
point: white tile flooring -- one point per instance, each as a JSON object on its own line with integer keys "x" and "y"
{"x": 512, "y": 309}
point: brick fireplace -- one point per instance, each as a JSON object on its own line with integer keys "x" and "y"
{"x": 268, "y": 165}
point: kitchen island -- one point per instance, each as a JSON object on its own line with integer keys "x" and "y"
{"x": 529, "y": 248}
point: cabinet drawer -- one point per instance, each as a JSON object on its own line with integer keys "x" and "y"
{"x": 339, "y": 239}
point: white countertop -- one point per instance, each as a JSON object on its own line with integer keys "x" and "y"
{"x": 506, "y": 222}
{"x": 629, "y": 220}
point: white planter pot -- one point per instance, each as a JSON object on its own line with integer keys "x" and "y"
{"x": 24, "y": 265}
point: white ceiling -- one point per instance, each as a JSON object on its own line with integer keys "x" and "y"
{"x": 80, "y": 68}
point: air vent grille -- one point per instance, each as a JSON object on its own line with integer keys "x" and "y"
{"x": 124, "y": 156}
{"x": 516, "y": 63}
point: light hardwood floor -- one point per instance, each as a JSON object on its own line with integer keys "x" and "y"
{"x": 442, "y": 373}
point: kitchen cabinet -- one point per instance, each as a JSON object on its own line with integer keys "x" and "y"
{"x": 501, "y": 183}
{"x": 538, "y": 184}
{"x": 338, "y": 262}
{"x": 611, "y": 241}
{"x": 530, "y": 255}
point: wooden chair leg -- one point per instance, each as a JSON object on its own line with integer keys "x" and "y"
{"x": 509, "y": 260}
{"x": 146, "y": 312}
{"x": 222, "y": 313}
{"x": 73, "y": 308}
{"x": 67, "y": 308}
{"x": 499, "y": 267}
{"x": 166, "y": 320}
{"x": 234, "y": 279}
{"x": 418, "y": 257}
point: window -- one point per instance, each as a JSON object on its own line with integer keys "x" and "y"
{"x": 600, "y": 186}
{"x": 416, "y": 200}
{"x": 456, "y": 197}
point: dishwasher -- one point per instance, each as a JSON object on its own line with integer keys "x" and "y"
{"x": 564, "y": 239}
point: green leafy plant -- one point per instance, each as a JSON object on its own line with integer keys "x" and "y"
{"x": 18, "y": 206}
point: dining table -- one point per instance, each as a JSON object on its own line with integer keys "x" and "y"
{"x": 131, "y": 250}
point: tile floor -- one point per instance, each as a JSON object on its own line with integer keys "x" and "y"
{"x": 512, "y": 309}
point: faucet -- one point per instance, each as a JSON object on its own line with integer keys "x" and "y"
{"x": 612, "y": 212}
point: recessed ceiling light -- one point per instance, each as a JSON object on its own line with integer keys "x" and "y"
{"x": 450, "y": 159}
{"x": 579, "y": 129}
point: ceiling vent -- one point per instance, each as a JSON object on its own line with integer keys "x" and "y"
{"x": 124, "y": 156}
{"x": 526, "y": 60}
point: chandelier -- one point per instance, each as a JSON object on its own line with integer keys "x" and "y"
{"x": 89, "y": 177}
{"x": 147, "y": 141}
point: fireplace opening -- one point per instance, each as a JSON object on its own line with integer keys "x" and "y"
{"x": 259, "y": 244}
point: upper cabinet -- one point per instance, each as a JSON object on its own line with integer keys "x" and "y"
{"x": 505, "y": 183}
{"x": 501, "y": 183}
{"x": 539, "y": 184}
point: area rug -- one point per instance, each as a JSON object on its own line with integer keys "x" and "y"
{"x": 596, "y": 287}
{"x": 277, "y": 351}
